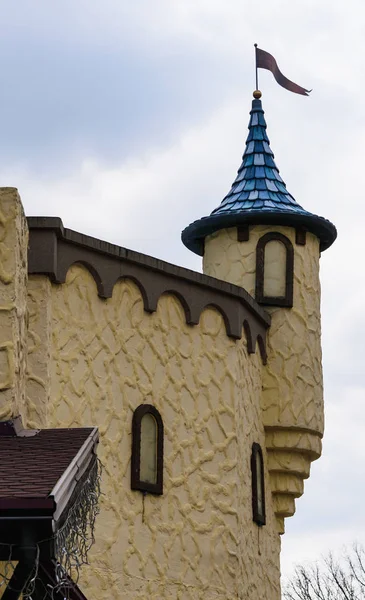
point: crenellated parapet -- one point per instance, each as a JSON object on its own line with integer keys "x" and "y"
{"x": 53, "y": 250}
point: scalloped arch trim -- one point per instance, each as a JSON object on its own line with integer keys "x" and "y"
{"x": 53, "y": 250}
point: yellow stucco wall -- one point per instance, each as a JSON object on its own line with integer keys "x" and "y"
{"x": 39, "y": 351}
{"x": 293, "y": 378}
{"x": 6, "y": 572}
{"x": 292, "y": 396}
{"x": 13, "y": 276}
{"x": 13, "y": 322}
{"x": 107, "y": 357}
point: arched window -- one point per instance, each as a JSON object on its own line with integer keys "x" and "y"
{"x": 258, "y": 485}
{"x": 147, "y": 450}
{"x": 274, "y": 270}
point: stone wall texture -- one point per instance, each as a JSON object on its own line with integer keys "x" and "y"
{"x": 13, "y": 311}
{"x": 293, "y": 378}
{"x": 71, "y": 359}
{"x": 92, "y": 362}
{"x": 292, "y": 394}
{"x": 39, "y": 352}
{"x": 13, "y": 298}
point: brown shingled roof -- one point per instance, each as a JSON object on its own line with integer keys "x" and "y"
{"x": 31, "y": 466}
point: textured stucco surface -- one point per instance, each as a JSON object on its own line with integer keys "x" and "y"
{"x": 69, "y": 358}
{"x": 39, "y": 351}
{"x": 13, "y": 276}
{"x": 293, "y": 379}
{"x": 13, "y": 318}
{"x": 107, "y": 357}
{"x": 292, "y": 396}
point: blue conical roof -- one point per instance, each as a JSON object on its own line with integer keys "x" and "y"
{"x": 258, "y": 195}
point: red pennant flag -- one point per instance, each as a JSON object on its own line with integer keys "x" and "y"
{"x": 264, "y": 60}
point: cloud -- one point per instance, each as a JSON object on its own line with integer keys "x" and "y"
{"x": 105, "y": 80}
{"x": 128, "y": 120}
{"x": 330, "y": 513}
{"x": 147, "y": 200}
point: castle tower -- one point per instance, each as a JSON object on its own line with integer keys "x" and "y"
{"x": 205, "y": 439}
{"x": 261, "y": 239}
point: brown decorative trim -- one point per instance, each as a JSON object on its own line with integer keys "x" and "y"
{"x": 300, "y": 236}
{"x": 243, "y": 233}
{"x": 53, "y": 250}
{"x": 262, "y": 347}
{"x": 259, "y": 516}
{"x": 21, "y": 575}
{"x": 287, "y": 300}
{"x": 26, "y": 504}
{"x": 136, "y": 483}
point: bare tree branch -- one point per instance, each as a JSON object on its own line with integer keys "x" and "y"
{"x": 330, "y": 579}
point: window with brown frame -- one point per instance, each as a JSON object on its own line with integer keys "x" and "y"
{"x": 258, "y": 485}
{"x": 147, "y": 450}
{"x": 274, "y": 270}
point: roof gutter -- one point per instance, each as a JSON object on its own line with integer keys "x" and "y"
{"x": 67, "y": 483}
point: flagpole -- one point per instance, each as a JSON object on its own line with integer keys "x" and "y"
{"x": 257, "y": 74}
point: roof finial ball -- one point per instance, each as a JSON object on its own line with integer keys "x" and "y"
{"x": 257, "y": 94}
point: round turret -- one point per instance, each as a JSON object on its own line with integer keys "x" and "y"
{"x": 261, "y": 239}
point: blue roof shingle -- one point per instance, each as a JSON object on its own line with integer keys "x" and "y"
{"x": 258, "y": 195}
{"x": 259, "y": 154}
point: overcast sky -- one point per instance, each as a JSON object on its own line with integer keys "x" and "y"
{"x": 128, "y": 120}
